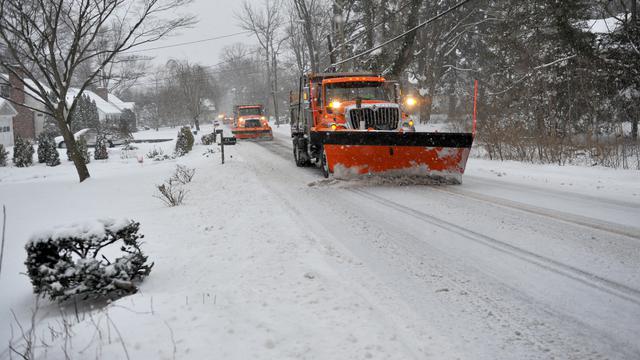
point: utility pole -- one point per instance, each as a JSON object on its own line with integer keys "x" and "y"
{"x": 338, "y": 30}
{"x": 332, "y": 54}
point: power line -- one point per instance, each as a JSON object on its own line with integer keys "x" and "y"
{"x": 403, "y": 34}
{"x": 190, "y": 42}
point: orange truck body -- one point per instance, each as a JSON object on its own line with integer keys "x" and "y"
{"x": 249, "y": 122}
{"x": 368, "y": 134}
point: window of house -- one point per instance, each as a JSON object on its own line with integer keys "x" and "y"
{"x": 4, "y": 91}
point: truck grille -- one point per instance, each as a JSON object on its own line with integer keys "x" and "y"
{"x": 381, "y": 118}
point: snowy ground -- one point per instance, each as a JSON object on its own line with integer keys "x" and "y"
{"x": 266, "y": 260}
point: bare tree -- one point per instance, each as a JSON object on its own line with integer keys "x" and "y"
{"x": 265, "y": 23}
{"x": 306, "y": 11}
{"x": 49, "y": 40}
{"x": 195, "y": 86}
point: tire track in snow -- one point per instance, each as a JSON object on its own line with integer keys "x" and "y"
{"x": 608, "y": 286}
{"x": 591, "y": 223}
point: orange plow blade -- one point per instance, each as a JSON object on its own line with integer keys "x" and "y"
{"x": 438, "y": 155}
{"x": 243, "y": 133}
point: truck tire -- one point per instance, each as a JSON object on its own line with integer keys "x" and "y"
{"x": 324, "y": 165}
{"x": 300, "y": 153}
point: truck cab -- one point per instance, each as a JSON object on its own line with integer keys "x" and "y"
{"x": 353, "y": 123}
{"x": 249, "y": 122}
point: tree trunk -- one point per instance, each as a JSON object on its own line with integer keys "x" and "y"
{"x": 404, "y": 55}
{"x": 276, "y": 111}
{"x": 197, "y": 123}
{"x": 70, "y": 142}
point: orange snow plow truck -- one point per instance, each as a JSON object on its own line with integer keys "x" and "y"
{"x": 249, "y": 122}
{"x": 353, "y": 123}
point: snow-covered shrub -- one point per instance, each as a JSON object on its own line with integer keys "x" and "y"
{"x": 208, "y": 139}
{"x": 183, "y": 175}
{"x": 157, "y": 154}
{"x": 22, "y": 152}
{"x": 185, "y": 141}
{"x": 47, "y": 152}
{"x": 128, "y": 146}
{"x": 43, "y": 145}
{"x": 101, "y": 152}
{"x": 4, "y": 154}
{"x": 70, "y": 261}
{"x": 53, "y": 158}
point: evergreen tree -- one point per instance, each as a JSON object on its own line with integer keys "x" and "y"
{"x": 22, "y": 153}
{"x": 85, "y": 115}
{"x": 3, "y": 156}
{"x": 101, "y": 152}
{"x": 44, "y": 139}
{"x": 185, "y": 141}
{"x": 53, "y": 158}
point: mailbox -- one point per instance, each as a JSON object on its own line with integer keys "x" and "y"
{"x": 228, "y": 140}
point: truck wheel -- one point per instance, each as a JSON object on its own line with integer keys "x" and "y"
{"x": 296, "y": 155}
{"x": 324, "y": 165}
{"x": 299, "y": 154}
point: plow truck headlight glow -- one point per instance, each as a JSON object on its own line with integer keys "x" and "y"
{"x": 335, "y": 104}
{"x": 410, "y": 101}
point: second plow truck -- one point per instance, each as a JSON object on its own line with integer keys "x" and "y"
{"x": 353, "y": 123}
{"x": 249, "y": 122}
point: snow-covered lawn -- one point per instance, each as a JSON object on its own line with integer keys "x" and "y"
{"x": 233, "y": 276}
{"x": 237, "y": 275}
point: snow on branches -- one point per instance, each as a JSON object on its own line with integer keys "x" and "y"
{"x": 70, "y": 260}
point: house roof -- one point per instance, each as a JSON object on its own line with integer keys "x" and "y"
{"x": 112, "y": 107}
{"x": 6, "y": 108}
{"x": 102, "y": 105}
{"x": 122, "y": 105}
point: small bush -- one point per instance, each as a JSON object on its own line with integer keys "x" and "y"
{"x": 101, "y": 152}
{"x": 185, "y": 141}
{"x": 4, "y": 154}
{"x": 128, "y": 146}
{"x": 22, "y": 153}
{"x": 157, "y": 154}
{"x": 54, "y": 157}
{"x": 170, "y": 193}
{"x": 183, "y": 175}
{"x": 43, "y": 145}
{"x": 69, "y": 261}
{"x": 47, "y": 152}
{"x": 209, "y": 139}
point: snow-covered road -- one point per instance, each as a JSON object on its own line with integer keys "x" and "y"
{"x": 270, "y": 261}
{"x": 500, "y": 269}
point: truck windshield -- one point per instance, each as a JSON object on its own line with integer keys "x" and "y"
{"x": 250, "y": 111}
{"x": 350, "y": 91}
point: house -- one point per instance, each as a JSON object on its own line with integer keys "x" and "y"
{"x": 30, "y": 119}
{"x": 7, "y": 112}
{"x": 106, "y": 111}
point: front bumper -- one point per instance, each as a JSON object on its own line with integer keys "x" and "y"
{"x": 242, "y": 133}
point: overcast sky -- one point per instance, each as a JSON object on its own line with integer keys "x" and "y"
{"x": 216, "y": 18}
